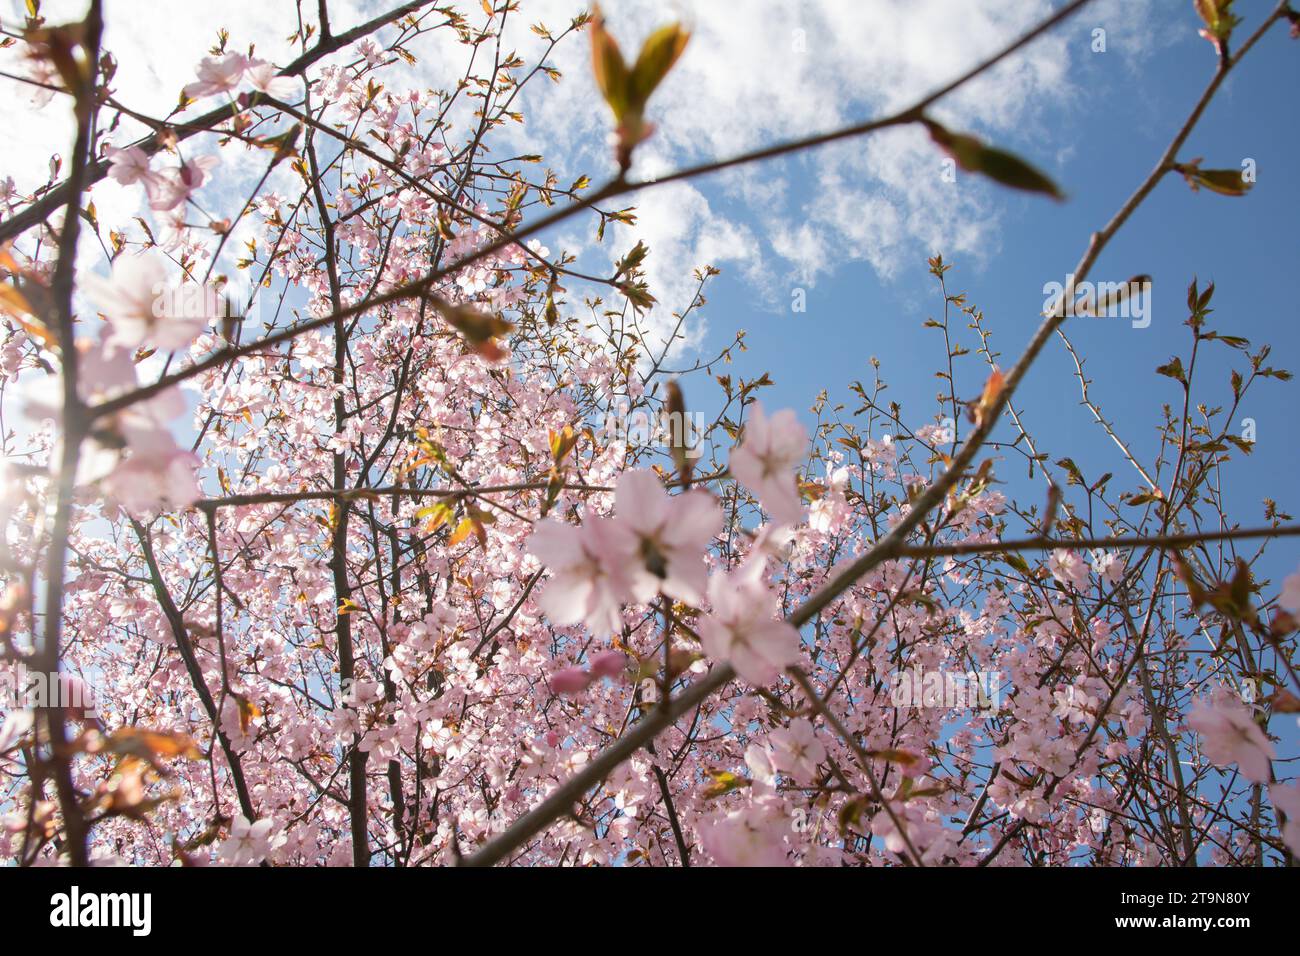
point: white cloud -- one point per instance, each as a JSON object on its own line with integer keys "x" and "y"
{"x": 760, "y": 71}
{"x": 684, "y": 233}
{"x": 755, "y": 73}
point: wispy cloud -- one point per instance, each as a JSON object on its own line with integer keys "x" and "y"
{"x": 756, "y": 72}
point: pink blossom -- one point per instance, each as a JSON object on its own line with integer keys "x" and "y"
{"x": 759, "y": 761}
{"x": 766, "y": 459}
{"x": 265, "y": 78}
{"x": 924, "y": 829}
{"x": 129, "y": 166}
{"x": 608, "y": 664}
{"x": 742, "y": 628}
{"x": 217, "y": 75}
{"x": 160, "y": 476}
{"x": 748, "y": 837}
{"x": 570, "y": 680}
{"x": 249, "y": 843}
{"x": 1230, "y": 735}
{"x": 1068, "y": 568}
{"x": 829, "y": 512}
{"x": 881, "y": 454}
{"x": 796, "y": 750}
{"x": 173, "y": 187}
{"x": 15, "y": 726}
{"x": 133, "y": 452}
{"x": 588, "y": 571}
{"x": 45, "y": 80}
{"x": 1290, "y": 597}
{"x": 371, "y": 51}
{"x": 913, "y": 764}
{"x": 1109, "y": 565}
{"x": 1286, "y": 800}
{"x": 139, "y": 305}
{"x": 671, "y": 532}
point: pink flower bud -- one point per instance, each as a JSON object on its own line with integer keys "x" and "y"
{"x": 571, "y": 680}
{"x": 608, "y": 664}
{"x": 552, "y": 739}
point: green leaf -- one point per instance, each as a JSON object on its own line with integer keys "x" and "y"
{"x": 1173, "y": 369}
{"x": 1241, "y": 443}
{"x": 1075, "y": 476}
{"x": 658, "y": 54}
{"x": 437, "y": 515}
{"x": 632, "y": 260}
{"x": 1225, "y": 182}
{"x": 1219, "y": 20}
{"x": 851, "y": 813}
{"x": 999, "y": 165}
{"x": 723, "y": 782}
{"x": 608, "y": 66}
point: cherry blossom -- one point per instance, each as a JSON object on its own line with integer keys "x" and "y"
{"x": 608, "y": 664}
{"x": 766, "y": 459}
{"x": 1109, "y": 565}
{"x": 830, "y": 510}
{"x": 133, "y": 453}
{"x": 796, "y": 750}
{"x": 671, "y": 532}
{"x": 1229, "y": 734}
{"x": 264, "y": 77}
{"x": 139, "y": 304}
{"x": 570, "y": 680}
{"x": 129, "y": 166}
{"x": 16, "y": 724}
{"x": 748, "y": 837}
{"x": 759, "y": 761}
{"x": 1286, "y": 800}
{"x": 368, "y": 571}
{"x": 1290, "y": 597}
{"x": 217, "y": 75}
{"x": 172, "y": 187}
{"x": 742, "y": 629}
{"x": 250, "y": 843}
{"x": 1068, "y": 568}
{"x": 589, "y": 571}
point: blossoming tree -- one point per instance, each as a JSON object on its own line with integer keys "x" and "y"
{"x": 374, "y": 582}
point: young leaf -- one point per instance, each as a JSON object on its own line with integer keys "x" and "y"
{"x": 992, "y": 391}
{"x": 479, "y": 328}
{"x": 1173, "y": 369}
{"x": 1219, "y": 21}
{"x": 658, "y": 54}
{"x": 608, "y": 66}
{"x": 1225, "y": 182}
{"x": 999, "y": 165}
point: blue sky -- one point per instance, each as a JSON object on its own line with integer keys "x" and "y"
{"x": 1098, "y": 149}
{"x": 852, "y": 225}
{"x": 1131, "y": 106}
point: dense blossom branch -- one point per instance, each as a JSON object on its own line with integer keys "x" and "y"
{"x": 438, "y": 565}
